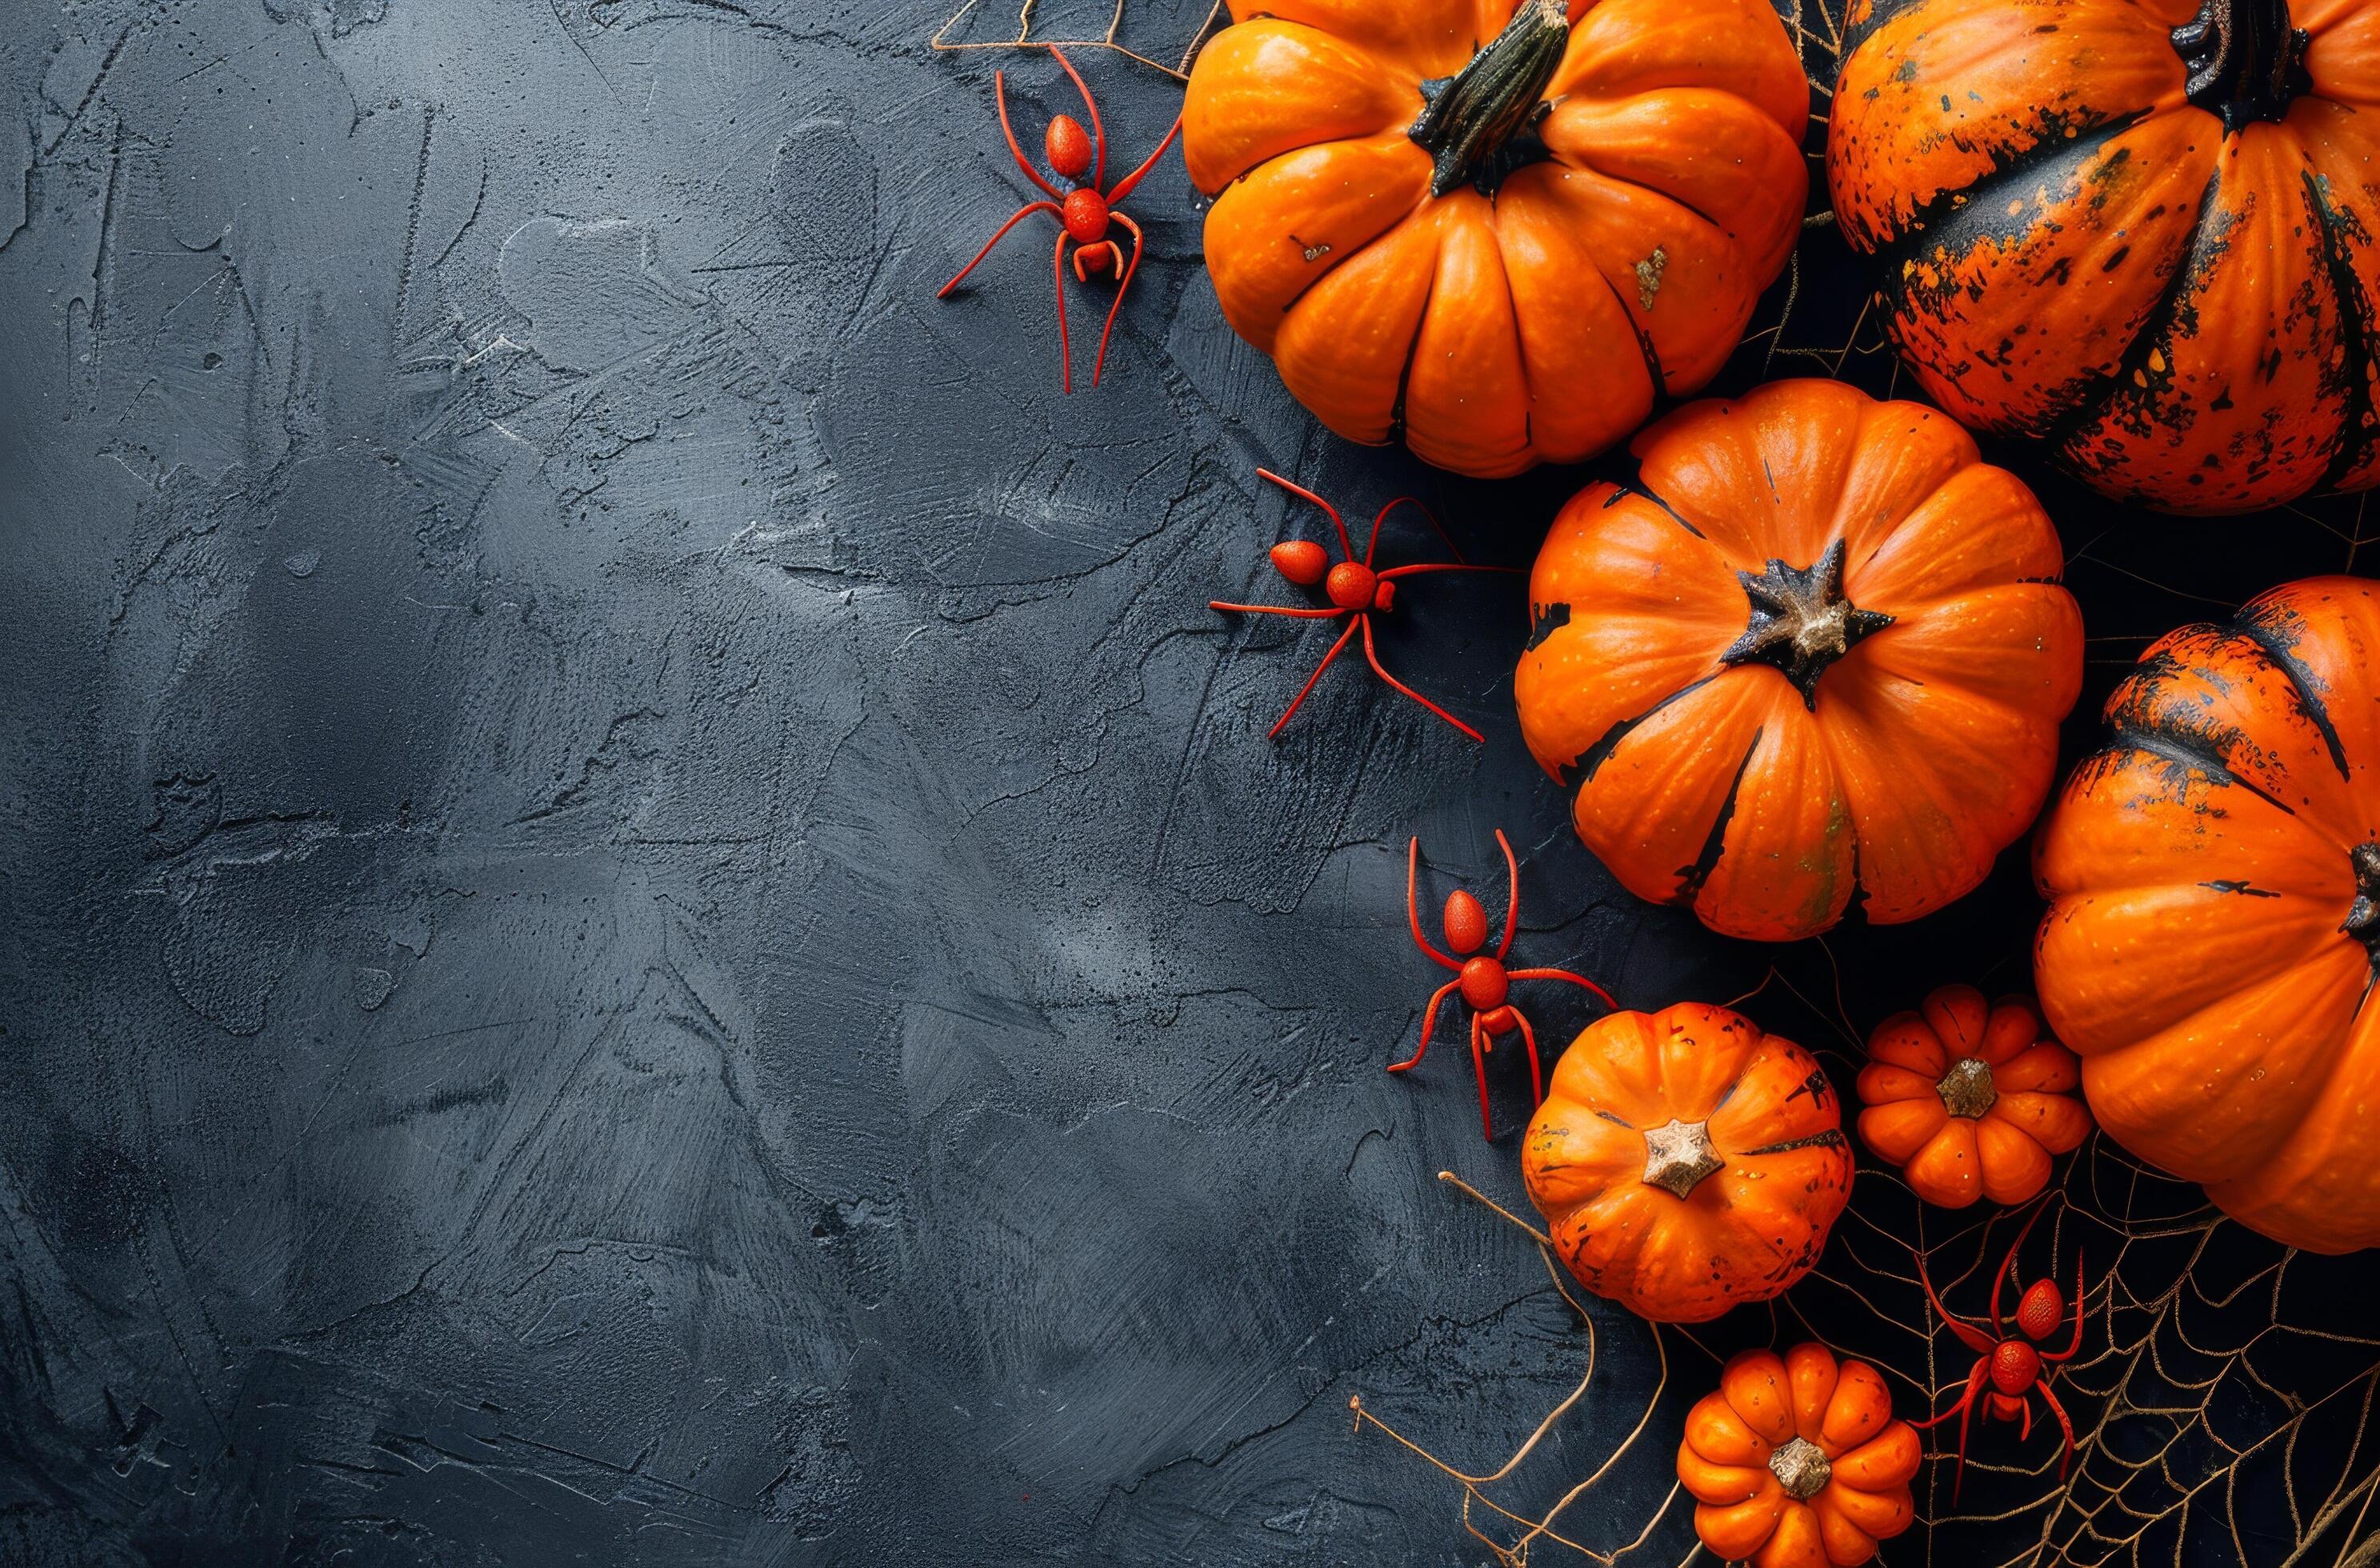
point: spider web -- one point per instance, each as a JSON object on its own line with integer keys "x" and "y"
{"x": 979, "y": 25}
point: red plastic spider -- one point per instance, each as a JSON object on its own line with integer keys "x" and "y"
{"x": 1082, "y": 212}
{"x": 1356, "y": 591}
{"x": 1483, "y": 981}
{"x": 2013, "y": 1368}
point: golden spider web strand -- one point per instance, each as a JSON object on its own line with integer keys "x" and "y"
{"x": 1179, "y": 71}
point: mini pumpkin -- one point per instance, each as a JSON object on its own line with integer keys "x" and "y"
{"x": 1685, "y": 1161}
{"x": 1815, "y": 647}
{"x": 2214, "y": 927}
{"x": 1795, "y": 1462}
{"x": 1497, "y": 232}
{"x": 2144, "y": 232}
{"x": 1970, "y": 1098}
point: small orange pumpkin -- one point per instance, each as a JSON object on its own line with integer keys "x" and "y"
{"x": 1496, "y": 231}
{"x": 1685, "y": 1161}
{"x": 2213, "y": 930}
{"x": 1798, "y": 1463}
{"x": 1815, "y": 647}
{"x": 2145, "y": 233}
{"x": 1970, "y": 1098}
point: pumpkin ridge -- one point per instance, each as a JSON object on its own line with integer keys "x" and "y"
{"x": 2181, "y": 749}
{"x": 1944, "y": 209}
{"x": 1692, "y": 878}
{"x": 2301, "y": 681}
{"x": 1589, "y": 762}
{"x": 2358, "y": 430}
{"x": 1413, "y": 347}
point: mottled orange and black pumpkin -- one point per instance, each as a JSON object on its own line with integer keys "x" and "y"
{"x": 2145, "y": 232}
{"x": 2214, "y": 929}
{"x": 1814, "y": 648}
{"x": 1496, "y": 231}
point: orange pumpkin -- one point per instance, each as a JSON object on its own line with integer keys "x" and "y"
{"x": 2214, "y": 929}
{"x": 1684, "y": 1161}
{"x": 1815, "y": 646}
{"x": 2146, "y": 231}
{"x": 1797, "y": 1462}
{"x": 1970, "y": 1098}
{"x": 1496, "y": 231}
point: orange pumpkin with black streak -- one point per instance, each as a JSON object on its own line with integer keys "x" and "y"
{"x": 2214, "y": 927}
{"x": 1795, "y": 1462}
{"x": 2144, "y": 232}
{"x": 1970, "y": 1098}
{"x": 1685, "y": 1161}
{"x": 1497, "y": 232}
{"x": 1815, "y": 646}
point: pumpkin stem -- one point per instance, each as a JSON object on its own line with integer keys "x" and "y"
{"x": 1476, "y": 125}
{"x": 1966, "y": 1090}
{"x": 2363, "y": 916}
{"x": 2245, "y": 61}
{"x": 1801, "y": 1467}
{"x": 1678, "y": 1155}
{"x": 1800, "y": 622}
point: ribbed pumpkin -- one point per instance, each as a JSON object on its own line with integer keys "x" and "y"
{"x": 2214, "y": 929}
{"x": 1797, "y": 1462}
{"x": 1495, "y": 231}
{"x": 1815, "y": 646}
{"x": 2141, "y": 231}
{"x": 1970, "y": 1098}
{"x": 1685, "y": 1161}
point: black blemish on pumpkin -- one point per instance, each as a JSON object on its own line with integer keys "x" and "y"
{"x": 1692, "y": 878}
{"x": 2276, "y": 630}
{"x": 1595, "y": 756}
{"x": 1831, "y": 1137}
{"x": 2239, "y": 886}
{"x": 1544, "y": 621}
{"x": 1814, "y": 1085}
{"x": 2357, "y": 330}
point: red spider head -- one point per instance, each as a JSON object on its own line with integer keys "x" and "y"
{"x": 1466, "y": 923}
{"x": 1086, "y": 215}
{"x": 1069, "y": 146}
{"x": 1302, "y": 561}
{"x": 2042, "y": 1309}
{"x": 1354, "y": 586}
{"x": 1484, "y": 984}
{"x": 2015, "y": 1366}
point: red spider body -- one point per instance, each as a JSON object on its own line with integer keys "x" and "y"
{"x": 2009, "y": 1370}
{"x": 1481, "y": 978}
{"x": 1083, "y": 213}
{"x": 1356, "y": 589}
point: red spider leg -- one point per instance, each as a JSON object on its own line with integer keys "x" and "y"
{"x": 1290, "y": 711}
{"x": 2025, "y": 1423}
{"x": 1429, "y": 1022}
{"x": 1412, "y": 908}
{"x": 1277, "y": 610}
{"x": 1963, "y": 1410}
{"x": 2009, "y": 1262}
{"x": 1479, "y": 1071}
{"x": 1601, "y": 996}
{"x": 1417, "y": 505}
{"x": 1537, "y": 1075}
{"x": 2082, "y": 1315}
{"x": 1123, "y": 283}
{"x": 2065, "y": 1425}
{"x": 1098, "y": 136}
{"x": 1124, "y": 186}
{"x": 1065, "y": 351}
{"x": 1000, "y": 98}
{"x": 1372, "y": 654}
{"x": 1974, "y": 1338}
{"x": 1021, "y": 215}
{"x": 1345, "y": 543}
{"x": 1511, "y": 896}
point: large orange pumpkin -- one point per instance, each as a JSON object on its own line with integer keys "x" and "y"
{"x": 2146, "y": 231}
{"x": 2214, "y": 929}
{"x": 1815, "y": 646}
{"x": 1684, "y": 1161}
{"x": 1797, "y": 1462}
{"x": 1496, "y": 231}
{"x": 1969, "y": 1099}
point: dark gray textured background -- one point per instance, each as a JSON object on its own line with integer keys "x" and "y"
{"x": 647, "y": 921}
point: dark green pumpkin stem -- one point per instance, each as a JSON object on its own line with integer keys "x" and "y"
{"x": 1475, "y": 123}
{"x": 2246, "y": 62}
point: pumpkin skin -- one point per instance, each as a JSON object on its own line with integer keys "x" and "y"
{"x": 2214, "y": 878}
{"x": 1970, "y": 1098}
{"x": 1762, "y": 1498}
{"x": 1761, "y": 787}
{"x": 2165, "y": 273}
{"x": 1684, "y": 1161}
{"x": 1538, "y": 322}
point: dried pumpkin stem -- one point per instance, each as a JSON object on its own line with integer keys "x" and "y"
{"x": 1475, "y": 124}
{"x": 2246, "y": 62}
{"x": 1966, "y": 1090}
{"x": 2363, "y": 916}
{"x": 1678, "y": 1155}
{"x": 1800, "y": 621}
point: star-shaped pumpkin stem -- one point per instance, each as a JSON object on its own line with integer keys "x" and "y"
{"x": 1800, "y": 622}
{"x": 1678, "y": 1155}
